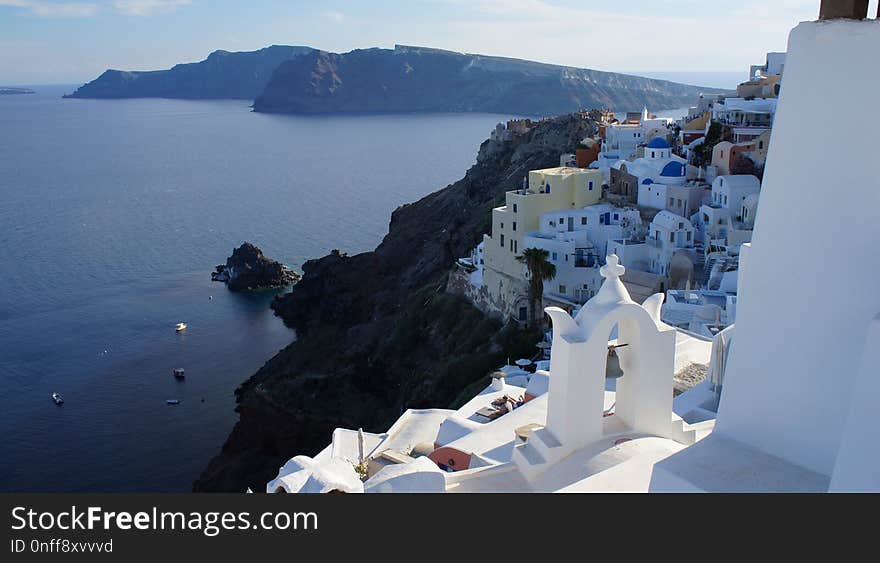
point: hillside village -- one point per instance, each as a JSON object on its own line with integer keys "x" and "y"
{"x": 673, "y": 200}
{"x": 638, "y": 247}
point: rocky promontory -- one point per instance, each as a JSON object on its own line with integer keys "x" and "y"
{"x": 241, "y": 75}
{"x": 377, "y": 332}
{"x": 248, "y": 269}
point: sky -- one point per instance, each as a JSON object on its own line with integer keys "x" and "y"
{"x": 69, "y": 42}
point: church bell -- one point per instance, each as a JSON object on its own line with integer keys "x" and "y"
{"x": 612, "y": 363}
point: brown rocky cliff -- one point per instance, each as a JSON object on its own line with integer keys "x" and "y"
{"x": 376, "y": 332}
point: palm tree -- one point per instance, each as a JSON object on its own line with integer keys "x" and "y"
{"x": 540, "y": 269}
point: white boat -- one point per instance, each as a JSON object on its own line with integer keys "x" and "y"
{"x": 57, "y": 398}
{"x": 172, "y": 401}
{"x": 180, "y": 327}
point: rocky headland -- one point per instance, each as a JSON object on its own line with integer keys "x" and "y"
{"x": 377, "y": 332}
{"x": 303, "y": 80}
{"x": 248, "y": 269}
{"x": 224, "y": 74}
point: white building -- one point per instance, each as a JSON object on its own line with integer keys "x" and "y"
{"x": 774, "y": 64}
{"x": 703, "y": 312}
{"x": 681, "y": 199}
{"x": 668, "y": 235}
{"x": 729, "y": 218}
{"x": 576, "y": 241}
{"x": 749, "y": 119}
{"x": 623, "y": 140}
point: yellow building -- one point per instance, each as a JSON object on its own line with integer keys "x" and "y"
{"x": 549, "y": 189}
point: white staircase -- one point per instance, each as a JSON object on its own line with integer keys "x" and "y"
{"x": 532, "y": 457}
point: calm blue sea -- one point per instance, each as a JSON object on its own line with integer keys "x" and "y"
{"x": 113, "y": 214}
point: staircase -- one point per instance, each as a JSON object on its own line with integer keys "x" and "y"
{"x": 716, "y": 272}
{"x": 687, "y": 434}
{"x": 532, "y": 457}
{"x": 699, "y": 263}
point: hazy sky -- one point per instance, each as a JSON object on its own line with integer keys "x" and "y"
{"x": 57, "y": 41}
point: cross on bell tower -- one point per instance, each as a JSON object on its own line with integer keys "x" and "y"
{"x": 612, "y": 267}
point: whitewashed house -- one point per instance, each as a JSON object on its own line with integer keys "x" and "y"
{"x": 728, "y": 219}
{"x": 576, "y": 241}
{"x": 749, "y": 118}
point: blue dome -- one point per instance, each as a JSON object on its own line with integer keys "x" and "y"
{"x": 658, "y": 143}
{"x": 647, "y": 181}
{"x": 673, "y": 169}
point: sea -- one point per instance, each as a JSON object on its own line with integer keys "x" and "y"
{"x": 113, "y": 213}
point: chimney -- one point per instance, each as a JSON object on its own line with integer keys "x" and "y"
{"x": 844, "y": 9}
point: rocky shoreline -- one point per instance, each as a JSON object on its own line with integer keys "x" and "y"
{"x": 248, "y": 270}
{"x": 377, "y": 332}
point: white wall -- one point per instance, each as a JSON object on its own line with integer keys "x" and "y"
{"x": 652, "y": 195}
{"x": 798, "y": 345}
{"x": 857, "y": 463}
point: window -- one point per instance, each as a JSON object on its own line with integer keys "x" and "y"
{"x": 514, "y": 225}
{"x": 561, "y": 221}
{"x": 511, "y": 245}
{"x": 566, "y": 257}
{"x": 681, "y": 225}
{"x": 502, "y": 224}
{"x": 523, "y": 314}
{"x": 583, "y": 220}
{"x": 591, "y": 185}
{"x": 502, "y": 241}
{"x": 671, "y": 237}
{"x": 586, "y": 286}
{"x": 562, "y": 289}
{"x": 652, "y": 154}
{"x": 689, "y": 236}
{"x": 725, "y": 200}
{"x": 514, "y": 208}
{"x": 671, "y": 201}
{"x": 548, "y": 187}
{"x": 616, "y": 216}
{"x": 554, "y": 257}
{"x": 760, "y": 145}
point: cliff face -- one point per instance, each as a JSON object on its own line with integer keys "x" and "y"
{"x": 376, "y": 332}
{"x": 414, "y": 79}
{"x": 241, "y": 75}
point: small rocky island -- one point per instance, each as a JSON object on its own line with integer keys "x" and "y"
{"x": 248, "y": 269}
